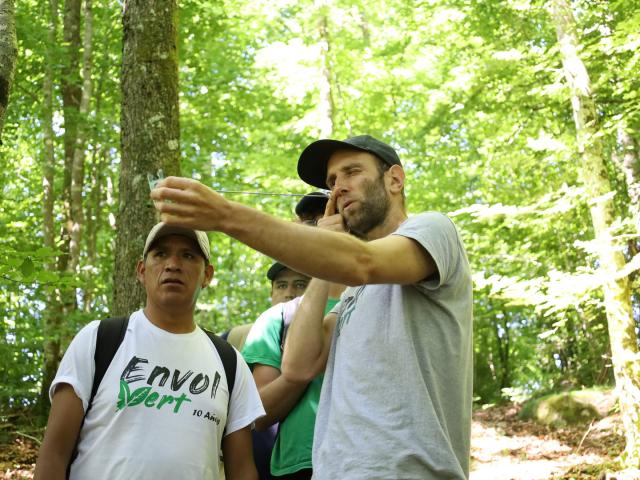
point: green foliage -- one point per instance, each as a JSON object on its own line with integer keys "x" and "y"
{"x": 470, "y": 93}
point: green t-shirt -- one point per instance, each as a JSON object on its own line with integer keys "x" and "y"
{"x": 292, "y": 450}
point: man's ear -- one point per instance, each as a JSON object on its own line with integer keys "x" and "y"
{"x": 208, "y": 275}
{"x": 396, "y": 178}
{"x": 140, "y": 269}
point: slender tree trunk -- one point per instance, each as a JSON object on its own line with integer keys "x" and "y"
{"x": 621, "y": 325}
{"x": 327, "y": 105}
{"x": 150, "y": 132}
{"x": 630, "y": 165}
{"x": 71, "y": 88}
{"x": 51, "y": 346}
{"x": 98, "y": 168}
{"x": 94, "y": 221}
{"x": 8, "y": 55}
{"x": 77, "y": 169}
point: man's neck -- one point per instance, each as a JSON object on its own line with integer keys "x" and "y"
{"x": 394, "y": 219}
{"x": 171, "y": 321}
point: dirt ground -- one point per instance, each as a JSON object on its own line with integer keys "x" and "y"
{"x": 506, "y": 448}
{"x": 503, "y": 447}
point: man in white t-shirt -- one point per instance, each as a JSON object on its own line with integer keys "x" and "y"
{"x": 162, "y": 409}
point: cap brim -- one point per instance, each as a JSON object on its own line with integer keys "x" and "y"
{"x": 161, "y": 230}
{"x": 312, "y": 164}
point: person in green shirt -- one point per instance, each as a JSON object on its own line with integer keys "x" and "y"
{"x": 294, "y": 406}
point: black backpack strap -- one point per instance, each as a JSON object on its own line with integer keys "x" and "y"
{"x": 288, "y": 311}
{"x": 110, "y": 334}
{"x": 229, "y": 359}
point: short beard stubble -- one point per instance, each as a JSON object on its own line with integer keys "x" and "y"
{"x": 374, "y": 207}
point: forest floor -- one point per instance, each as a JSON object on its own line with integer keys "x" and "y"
{"x": 503, "y": 447}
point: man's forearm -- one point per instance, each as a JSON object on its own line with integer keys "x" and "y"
{"x": 278, "y": 399}
{"x": 332, "y": 256}
{"x": 322, "y": 254}
{"x": 305, "y": 349}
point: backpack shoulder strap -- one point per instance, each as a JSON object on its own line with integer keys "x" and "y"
{"x": 288, "y": 311}
{"x": 228, "y": 356}
{"x": 111, "y": 332}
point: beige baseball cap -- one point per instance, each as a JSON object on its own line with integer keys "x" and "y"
{"x": 162, "y": 230}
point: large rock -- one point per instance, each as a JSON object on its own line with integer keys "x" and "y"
{"x": 570, "y": 408}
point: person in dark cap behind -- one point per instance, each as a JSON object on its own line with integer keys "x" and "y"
{"x": 291, "y": 407}
{"x": 285, "y": 286}
{"x": 140, "y": 424}
{"x": 285, "y": 283}
{"x": 397, "y": 350}
{"x": 311, "y": 207}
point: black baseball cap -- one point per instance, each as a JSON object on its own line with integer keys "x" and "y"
{"x": 275, "y": 269}
{"x": 313, "y": 203}
{"x": 312, "y": 164}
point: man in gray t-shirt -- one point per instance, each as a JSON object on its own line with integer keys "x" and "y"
{"x": 397, "y": 393}
{"x": 396, "y": 398}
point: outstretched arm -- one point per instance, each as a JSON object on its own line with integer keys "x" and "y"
{"x": 320, "y": 253}
{"x": 61, "y": 435}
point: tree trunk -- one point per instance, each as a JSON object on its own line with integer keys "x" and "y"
{"x": 71, "y": 90}
{"x": 71, "y": 97}
{"x": 8, "y": 54}
{"x": 93, "y": 207}
{"x": 150, "y": 133}
{"x": 630, "y": 165}
{"x": 94, "y": 221}
{"x": 327, "y": 105}
{"x": 51, "y": 346}
{"x": 624, "y": 346}
{"x": 77, "y": 167}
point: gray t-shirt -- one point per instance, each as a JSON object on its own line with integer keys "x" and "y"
{"x": 397, "y": 392}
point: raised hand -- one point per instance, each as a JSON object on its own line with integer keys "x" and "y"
{"x": 185, "y": 202}
{"x": 332, "y": 220}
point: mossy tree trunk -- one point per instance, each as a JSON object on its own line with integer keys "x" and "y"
{"x": 621, "y": 325}
{"x": 8, "y": 54}
{"x": 150, "y": 132}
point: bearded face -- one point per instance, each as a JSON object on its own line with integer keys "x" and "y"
{"x": 372, "y": 210}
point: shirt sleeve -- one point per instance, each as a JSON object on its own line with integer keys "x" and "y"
{"x": 437, "y": 234}
{"x": 262, "y": 345}
{"x": 245, "y": 406}
{"x": 78, "y": 366}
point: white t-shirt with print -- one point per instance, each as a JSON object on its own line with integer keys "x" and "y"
{"x": 161, "y": 408}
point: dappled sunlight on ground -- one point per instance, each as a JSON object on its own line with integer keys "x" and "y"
{"x": 496, "y": 456}
{"x": 504, "y": 447}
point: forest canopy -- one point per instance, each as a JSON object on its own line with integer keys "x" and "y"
{"x": 519, "y": 119}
